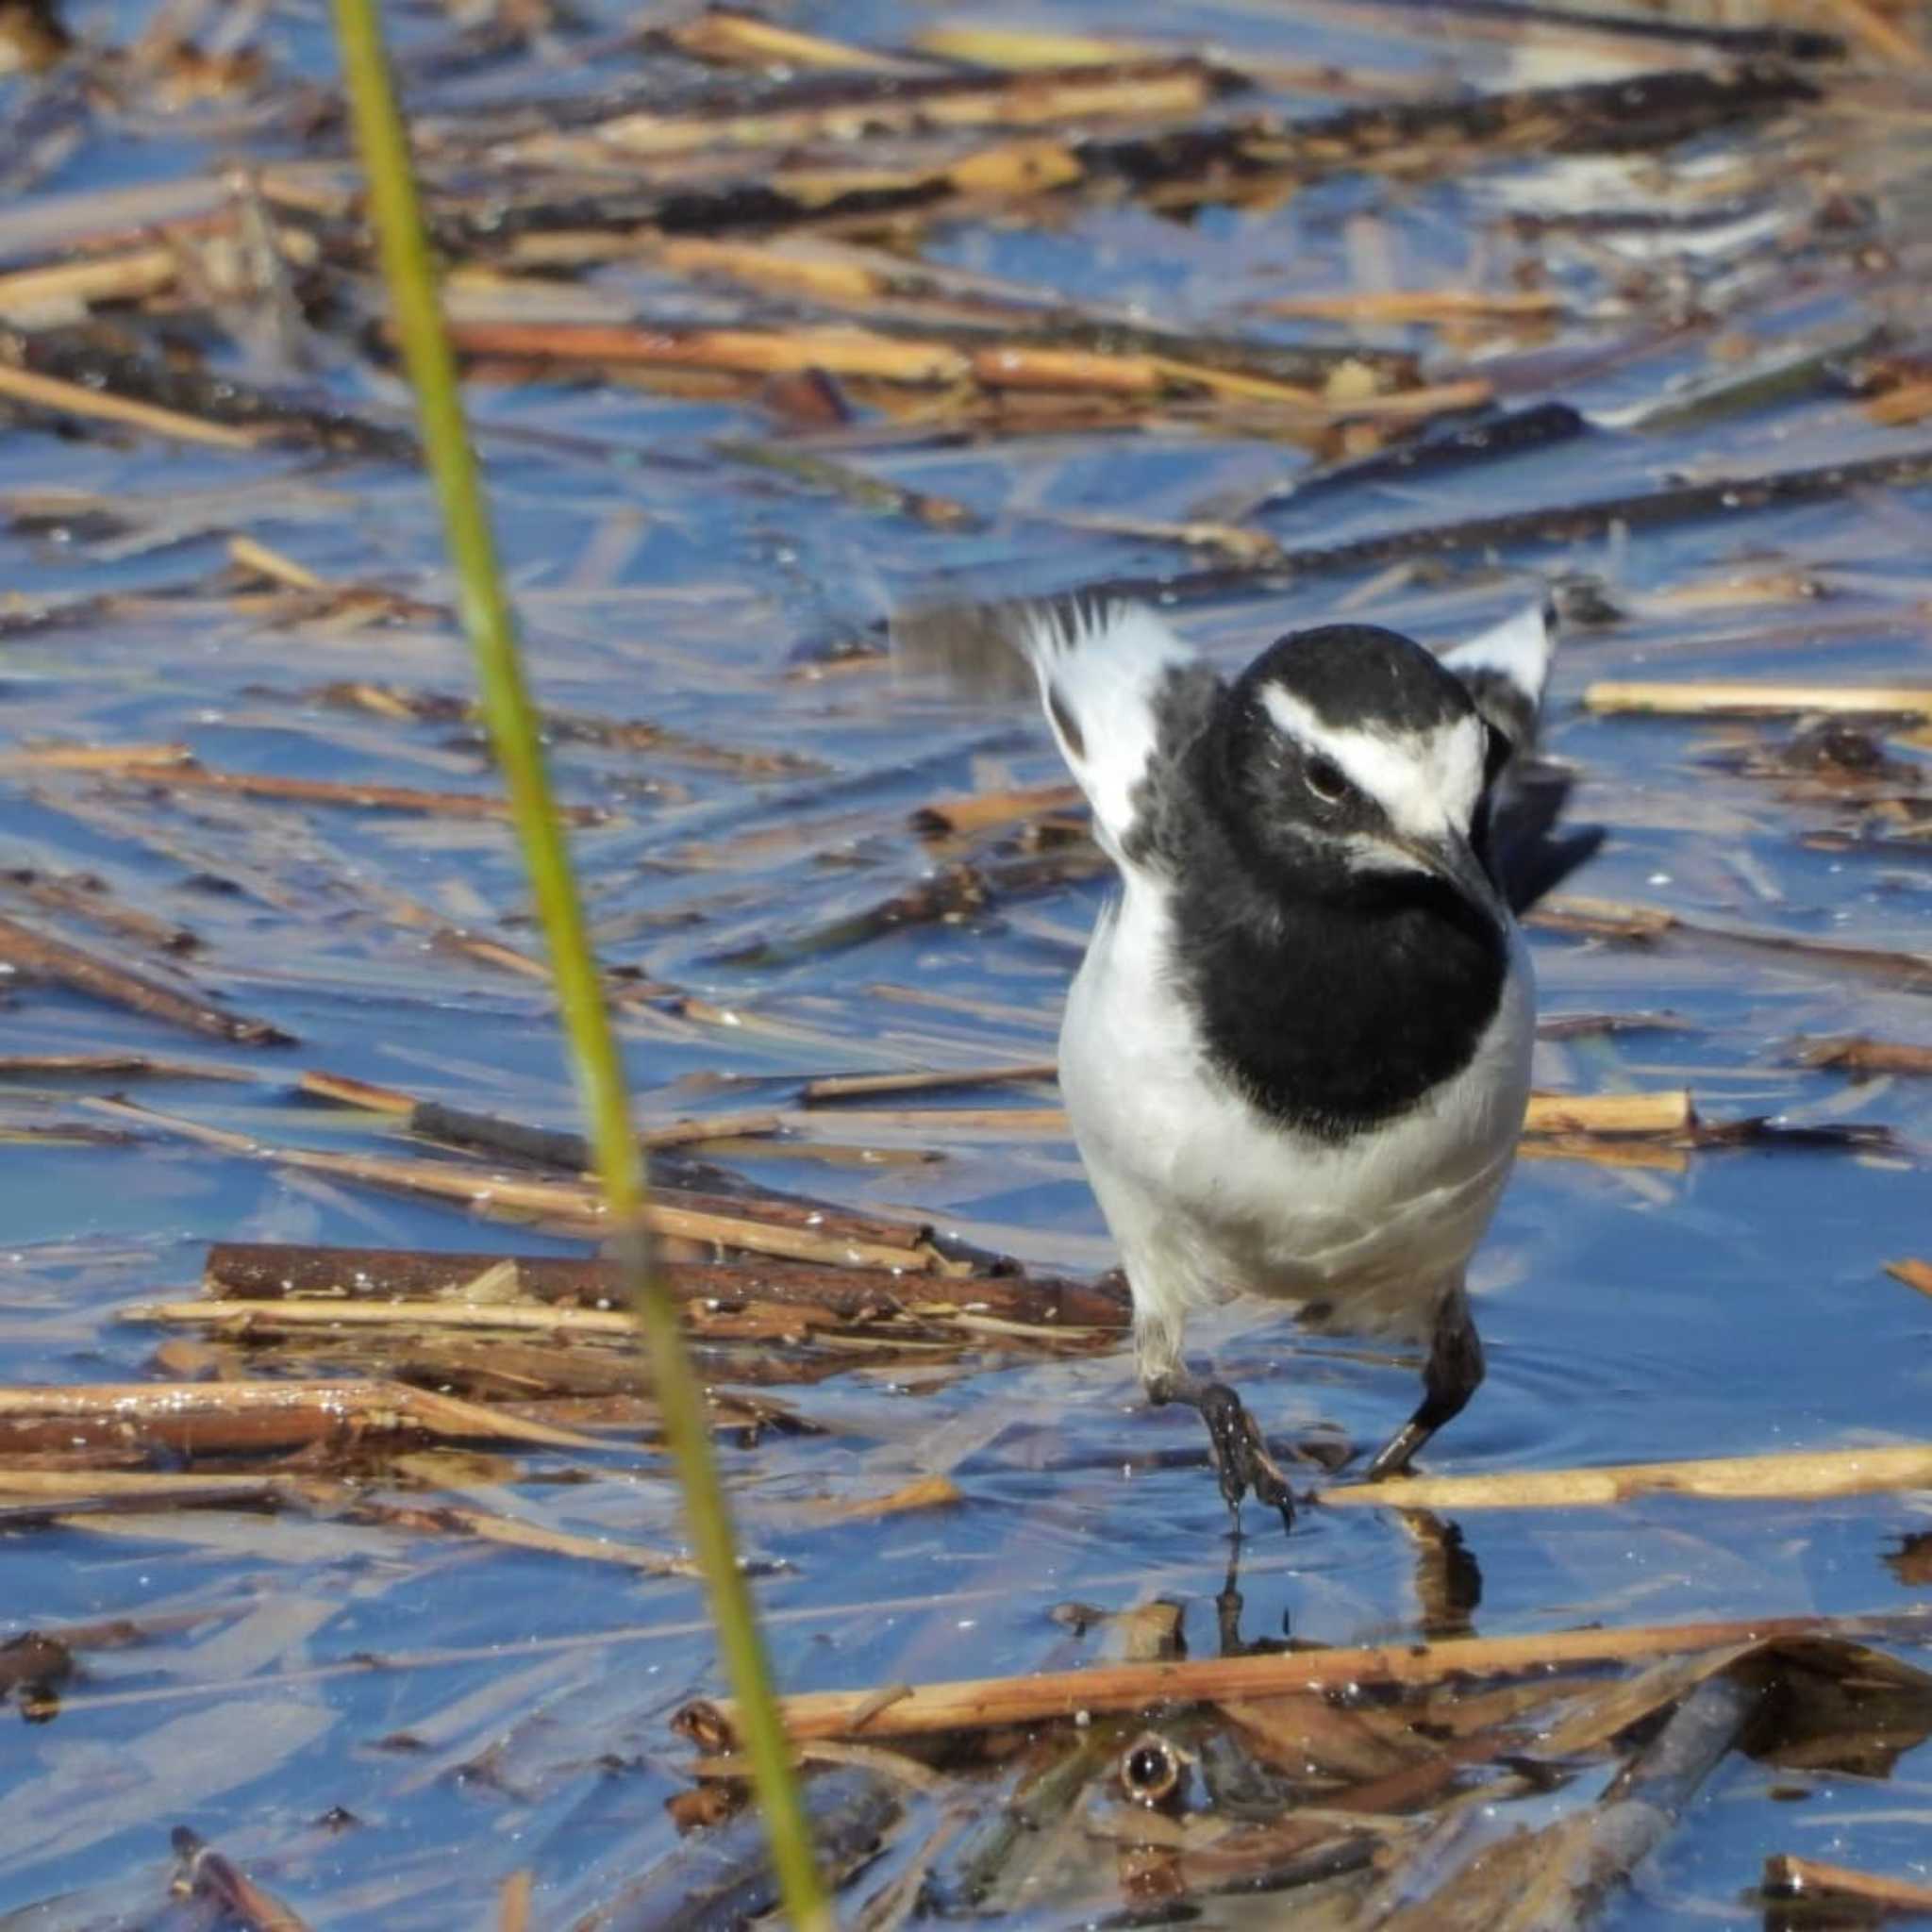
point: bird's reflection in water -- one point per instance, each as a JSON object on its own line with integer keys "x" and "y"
{"x": 1448, "y": 1586}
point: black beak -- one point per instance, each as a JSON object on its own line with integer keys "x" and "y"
{"x": 1450, "y": 857}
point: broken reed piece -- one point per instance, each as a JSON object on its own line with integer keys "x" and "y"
{"x": 552, "y": 1147}
{"x": 209, "y": 1418}
{"x": 726, "y": 37}
{"x": 1739, "y": 698}
{"x": 1616, "y": 919}
{"x": 933, "y": 364}
{"x": 1800, "y": 1475}
{"x": 758, "y": 1224}
{"x": 204, "y": 1874}
{"x": 924, "y": 1493}
{"x": 1666, "y": 1111}
{"x": 908, "y": 104}
{"x": 836, "y": 1087}
{"x": 1381, "y": 306}
{"x": 292, "y": 1313}
{"x": 91, "y": 757}
{"x": 55, "y": 960}
{"x": 986, "y": 1702}
{"x": 1857, "y": 1054}
{"x": 191, "y": 777}
{"x": 1913, "y": 1274}
{"x": 981, "y": 811}
{"x": 99, "y": 405}
{"x": 1864, "y": 1894}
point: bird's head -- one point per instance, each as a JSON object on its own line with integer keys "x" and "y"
{"x": 1349, "y": 760}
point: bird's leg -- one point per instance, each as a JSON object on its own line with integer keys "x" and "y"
{"x": 1241, "y": 1457}
{"x": 1454, "y": 1373}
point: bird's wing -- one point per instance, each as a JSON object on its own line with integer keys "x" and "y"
{"x": 1505, "y": 669}
{"x": 1111, "y": 676}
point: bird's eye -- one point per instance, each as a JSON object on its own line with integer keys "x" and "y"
{"x": 1326, "y": 779}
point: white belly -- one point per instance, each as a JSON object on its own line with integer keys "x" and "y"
{"x": 1206, "y": 1197}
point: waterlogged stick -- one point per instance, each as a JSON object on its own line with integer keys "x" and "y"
{"x": 979, "y": 1704}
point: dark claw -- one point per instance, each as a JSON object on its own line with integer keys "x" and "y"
{"x": 1241, "y": 1457}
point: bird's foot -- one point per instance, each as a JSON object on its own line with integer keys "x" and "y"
{"x": 1241, "y": 1457}
{"x": 1394, "y": 1457}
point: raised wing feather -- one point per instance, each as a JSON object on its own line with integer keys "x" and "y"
{"x": 1505, "y": 669}
{"x": 1104, "y": 671}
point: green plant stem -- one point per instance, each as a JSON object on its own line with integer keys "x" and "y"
{"x": 487, "y": 617}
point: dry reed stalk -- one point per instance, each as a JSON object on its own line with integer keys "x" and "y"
{"x": 905, "y": 1710}
{"x": 449, "y": 805}
{"x": 754, "y": 352}
{"x": 40, "y": 958}
{"x": 132, "y": 276}
{"x": 1551, "y": 1116}
{"x": 76, "y": 399}
{"x": 243, "y": 1318}
{"x": 1046, "y": 98}
{"x": 1802, "y": 1475}
{"x": 1023, "y": 50}
{"x": 251, "y": 554}
{"x": 439, "y": 1519}
{"x": 1789, "y": 1875}
{"x": 744, "y": 40}
{"x": 346, "y": 1092}
{"x": 92, "y": 758}
{"x": 793, "y": 1232}
{"x": 1742, "y": 698}
{"x": 1419, "y": 305}
{"x": 926, "y": 1492}
{"x": 145, "y": 1485}
{"x": 207, "y": 1417}
{"x": 832, "y": 1087}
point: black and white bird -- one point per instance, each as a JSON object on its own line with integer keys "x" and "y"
{"x": 1296, "y": 1056}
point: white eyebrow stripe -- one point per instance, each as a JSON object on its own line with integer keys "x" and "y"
{"x": 1425, "y": 784}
